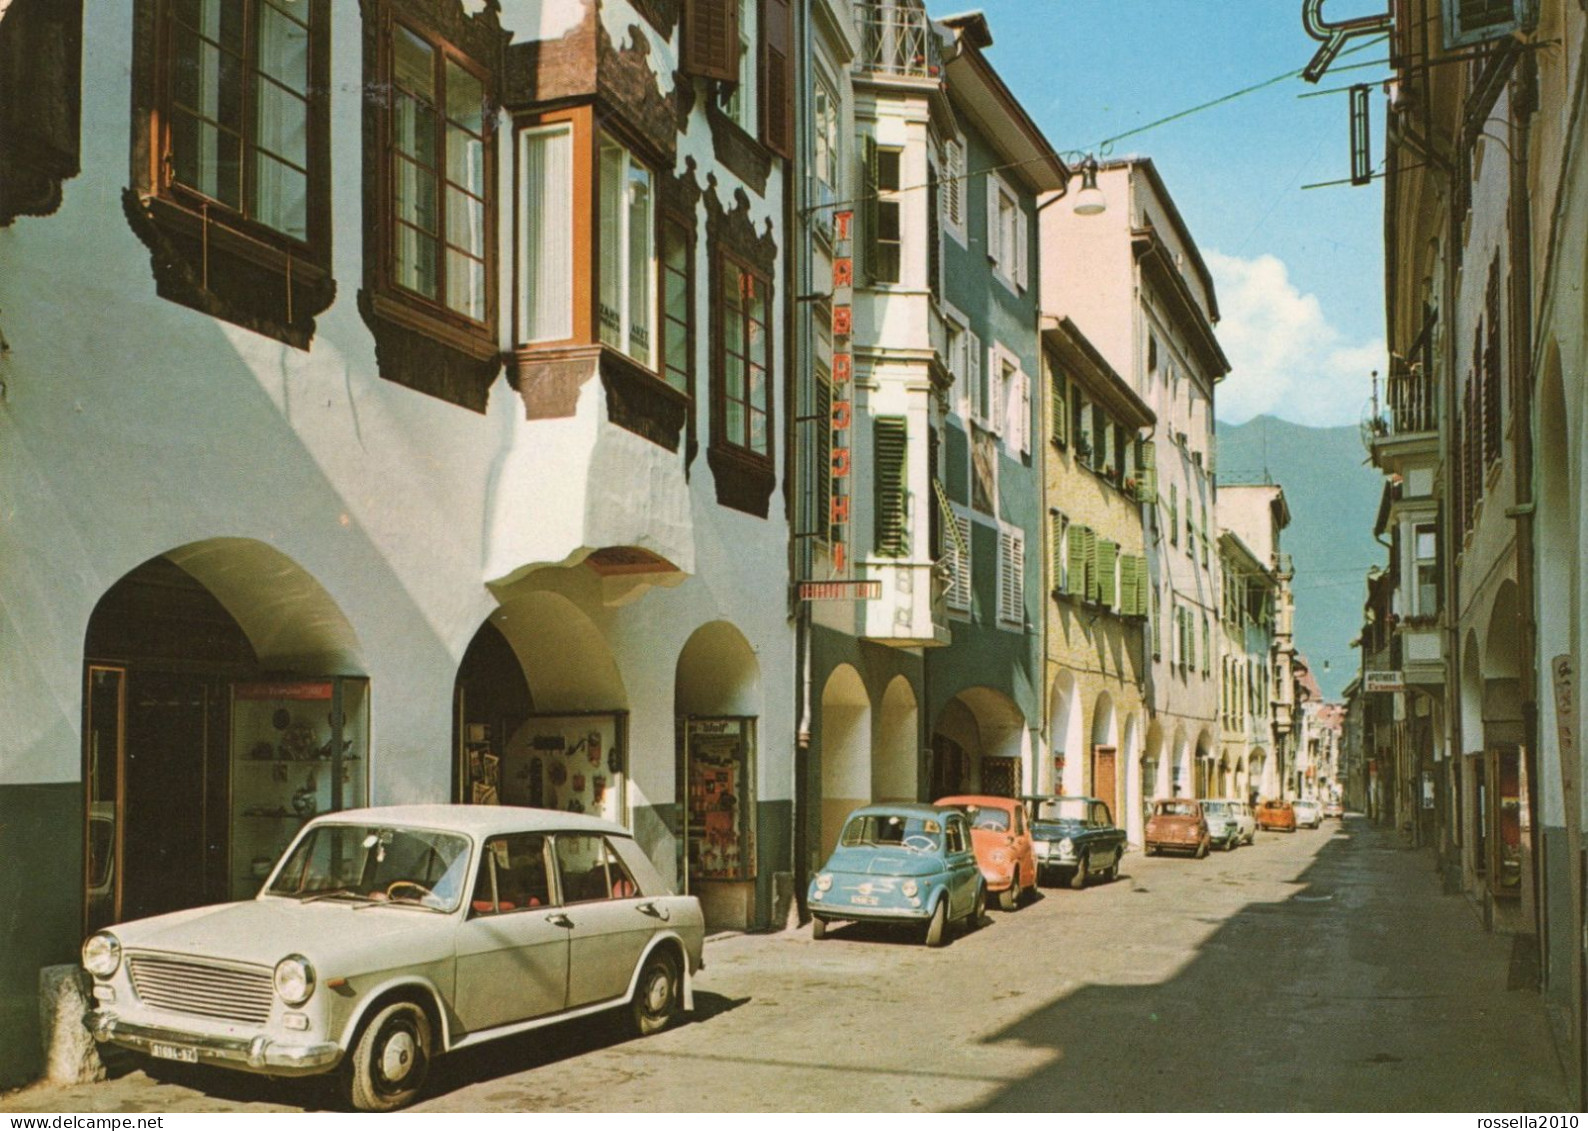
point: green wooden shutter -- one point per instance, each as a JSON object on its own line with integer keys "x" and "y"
{"x": 888, "y": 481}
{"x": 1157, "y": 626}
{"x": 1143, "y": 585}
{"x": 1127, "y": 585}
{"x": 1107, "y": 559}
{"x": 1146, "y": 472}
{"x": 1056, "y": 538}
{"x": 1076, "y": 583}
{"x": 1093, "y": 582}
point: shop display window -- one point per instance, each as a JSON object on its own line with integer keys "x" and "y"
{"x": 719, "y": 791}
{"x": 574, "y": 763}
{"x": 299, "y": 748}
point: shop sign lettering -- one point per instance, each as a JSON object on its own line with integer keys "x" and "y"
{"x": 843, "y": 368}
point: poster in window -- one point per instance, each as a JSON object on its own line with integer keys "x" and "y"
{"x": 574, "y": 763}
{"x": 720, "y": 798}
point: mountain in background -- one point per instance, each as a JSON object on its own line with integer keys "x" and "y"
{"x": 1333, "y": 495}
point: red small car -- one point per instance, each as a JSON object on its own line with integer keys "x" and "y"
{"x": 1177, "y": 825}
{"x": 1276, "y": 815}
{"x": 1002, "y": 841}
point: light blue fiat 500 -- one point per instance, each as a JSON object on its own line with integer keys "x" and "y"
{"x": 901, "y": 864}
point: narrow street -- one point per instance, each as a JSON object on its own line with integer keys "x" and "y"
{"x": 1319, "y": 971}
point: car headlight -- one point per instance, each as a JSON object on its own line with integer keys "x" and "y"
{"x": 294, "y": 979}
{"x": 824, "y": 882}
{"x": 909, "y": 887}
{"x": 102, "y": 954}
{"x": 999, "y": 856}
{"x": 1066, "y": 846}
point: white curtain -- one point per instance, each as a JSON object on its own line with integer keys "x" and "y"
{"x": 546, "y": 243}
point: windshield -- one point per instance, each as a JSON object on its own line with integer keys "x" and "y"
{"x": 412, "y": 867}
{"x": 1175, "y": 809}
{"x": 1216, "y": 808}
{"x": 985, "y": 817}
{"x": 888, "y": 830}
{"x": 1062, "y": 809}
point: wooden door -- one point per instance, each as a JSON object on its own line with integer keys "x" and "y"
{"x": 1105, "y": 779}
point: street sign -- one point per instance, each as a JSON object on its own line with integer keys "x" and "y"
{"x": 1383, "y": 681}
{"x": 841, "y": 590}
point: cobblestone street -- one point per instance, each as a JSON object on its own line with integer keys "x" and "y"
{"x": 1311, "y": 972}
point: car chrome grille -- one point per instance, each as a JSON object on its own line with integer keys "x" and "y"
{"x": 228, "y": 993}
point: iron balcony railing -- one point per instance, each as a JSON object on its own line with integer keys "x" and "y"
{"x": 1413, "y": 400}
{"x": 898, "y": 40}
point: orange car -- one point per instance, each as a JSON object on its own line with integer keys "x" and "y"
{"x": 1277, "y": 815}
{"x": 1002, "y": 841}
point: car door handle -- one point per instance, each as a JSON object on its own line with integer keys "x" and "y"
{"x": 649, "y": 908}
{"x": 559, "y": 920}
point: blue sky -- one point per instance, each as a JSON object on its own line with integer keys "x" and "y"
{"x": 1299, "y": 272}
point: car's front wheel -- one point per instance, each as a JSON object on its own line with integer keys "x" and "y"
{"x": 818, "y": 928}
{"x": 391, "y": 1059}
{"x": 1202, "y": 848}
{"x": 655, "y": 1001}
{"x": 1010, "y": 896}
{"x": 937, "y": 928}
{"x": 1081, "y": 874}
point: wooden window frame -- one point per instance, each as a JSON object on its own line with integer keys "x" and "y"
{"x": 389, "y": 298}
{"x": 752, "y": 473}
{"x": 206, "y": 254}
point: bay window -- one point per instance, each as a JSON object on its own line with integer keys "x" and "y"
{"x": 626, "y": 257}
{"x": 744, "y": 392}
{"x": 231, "y": 162}
{"x": 241, "y": 106}
{"x": 438, "y": 188}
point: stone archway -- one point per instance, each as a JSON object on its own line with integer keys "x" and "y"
{"x": 897, "y": 747}
{"x": 1105, "y": 773}
{"x": 718, "y": 701}
{"x": 185, "y": 744}
{"x": 1066, "y": 737}
{"x": 990, "y": 733}
{"x": 845, "y": 750}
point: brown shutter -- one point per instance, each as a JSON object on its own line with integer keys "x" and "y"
{"x": 711, "y": 39}
{"x": 777, "y": 76}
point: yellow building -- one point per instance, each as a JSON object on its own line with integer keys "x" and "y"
{"x": 1098, "y": 467}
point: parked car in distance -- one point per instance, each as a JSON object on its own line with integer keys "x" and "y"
{"x": 1001, "y": 840}
{"x": 385, "y": 938}
{"x": 901, "y": 864}
{"x": 1334, "y": 810}
{"x": 1176, "y": 825}
{"x": 1309, "y": 814}
{"x": 1075, "y": 838}
{"x": 1224, "y": 830}
{"x": 1276, "y": 815}
{"x": 1242, "y": 812}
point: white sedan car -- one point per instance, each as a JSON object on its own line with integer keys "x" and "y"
{"x": 1309, "y": 814}
{"x": 387, "y": 937}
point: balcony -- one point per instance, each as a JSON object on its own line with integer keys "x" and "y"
{"x": 1413, "y": 400}
{"x": 897, "y": 41}
{"x": 911, "y": 613}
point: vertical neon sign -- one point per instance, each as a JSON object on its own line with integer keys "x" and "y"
{"x": 843, "y": 383}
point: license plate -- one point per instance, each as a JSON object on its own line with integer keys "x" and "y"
{"x": 174, "y": 1052}
{"x": 868, "y": 900}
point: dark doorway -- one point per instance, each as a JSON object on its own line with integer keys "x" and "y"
{"x": 491, "y": 701}
{"x": 160, "y": 651}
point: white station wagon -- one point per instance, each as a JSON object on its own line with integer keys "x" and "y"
{"x": 386, "y": 937}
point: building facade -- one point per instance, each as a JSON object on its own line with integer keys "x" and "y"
{"x": 409, "y": 483}
{"x": 1097, "y": 482}
{"x": 1135, "y": 281}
